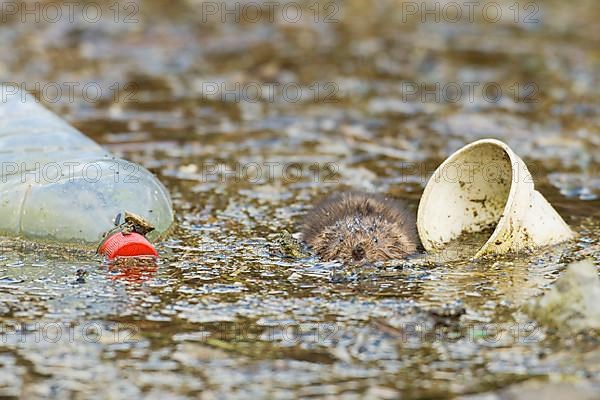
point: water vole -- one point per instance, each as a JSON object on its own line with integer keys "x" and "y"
{"x": 357, "y": 226}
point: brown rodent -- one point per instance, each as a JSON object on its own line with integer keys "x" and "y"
{"x": 357, "y": 226}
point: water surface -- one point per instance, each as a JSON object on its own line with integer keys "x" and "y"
{"x": 224, "y": 315}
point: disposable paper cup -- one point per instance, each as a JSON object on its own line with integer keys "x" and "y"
{"x": 486, "y": 185}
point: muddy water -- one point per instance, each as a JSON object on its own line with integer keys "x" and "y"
{"x": 358, "y": 95}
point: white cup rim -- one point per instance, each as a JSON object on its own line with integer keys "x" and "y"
{"x": 508, "y": 207}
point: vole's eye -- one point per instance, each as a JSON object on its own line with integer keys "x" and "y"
{"x": 375, "y": 240}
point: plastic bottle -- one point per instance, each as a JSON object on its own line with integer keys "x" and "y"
{"x": 57, "y": 185}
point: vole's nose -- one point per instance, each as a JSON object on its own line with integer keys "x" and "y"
{"x": 358, "y": 252}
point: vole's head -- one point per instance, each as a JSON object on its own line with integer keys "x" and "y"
{"x": 370, "y": 238}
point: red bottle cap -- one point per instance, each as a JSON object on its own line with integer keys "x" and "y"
{"x": 130, "y": 245}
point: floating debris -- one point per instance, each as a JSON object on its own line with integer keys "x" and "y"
{"x": 288, "y": 246}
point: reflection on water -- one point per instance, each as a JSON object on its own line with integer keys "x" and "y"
{"x": 133, "y": 270}
{"x": 459, "y": 249}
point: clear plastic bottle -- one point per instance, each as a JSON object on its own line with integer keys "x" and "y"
{"x": 57, "y": 185}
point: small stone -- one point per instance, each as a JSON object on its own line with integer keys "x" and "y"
{"x": 80, "y": 276}
{"x": 573, "y": 303}
{"x": 294, "y": 277}
{"x": 536, "y": 389}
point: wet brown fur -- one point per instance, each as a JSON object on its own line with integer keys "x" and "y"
{"x": 357, "y": 226}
